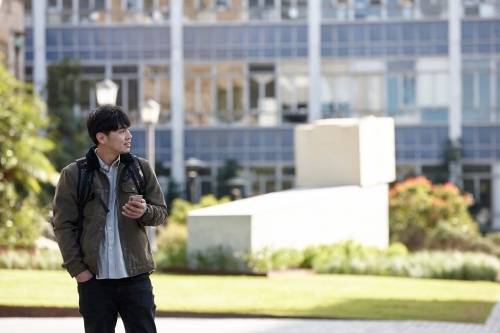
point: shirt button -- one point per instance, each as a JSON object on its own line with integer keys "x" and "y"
{"x": 100, "y": 228}
{"x": 106, "y": 190}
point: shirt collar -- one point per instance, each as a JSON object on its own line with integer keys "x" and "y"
{"x": 103, "y": 165}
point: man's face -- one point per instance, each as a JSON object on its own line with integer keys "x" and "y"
{"x": 118, "y": 142}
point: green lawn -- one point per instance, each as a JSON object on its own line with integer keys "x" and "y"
{"x": 331, "y": 296}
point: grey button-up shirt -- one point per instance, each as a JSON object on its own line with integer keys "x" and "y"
{"x": 111, "y": 263}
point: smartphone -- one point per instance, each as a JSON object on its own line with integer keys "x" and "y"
{"x": 137, "y": 197}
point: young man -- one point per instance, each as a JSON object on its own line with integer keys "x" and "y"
{"x": 112, "y": 259}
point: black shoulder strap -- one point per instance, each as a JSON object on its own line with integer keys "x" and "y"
{"x": 137, "y": 175}
{"x": 85, "y": 192}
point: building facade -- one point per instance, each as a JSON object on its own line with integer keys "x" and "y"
{"x": 12, "y": 36}
{"x": 234, "y": 76}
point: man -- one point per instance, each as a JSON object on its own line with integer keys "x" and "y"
{"x": 111, "y": 260}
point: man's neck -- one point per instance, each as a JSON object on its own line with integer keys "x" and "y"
{"x": 106, "y": 157}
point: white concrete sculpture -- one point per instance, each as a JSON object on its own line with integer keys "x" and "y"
{"x": 343, "y": 167}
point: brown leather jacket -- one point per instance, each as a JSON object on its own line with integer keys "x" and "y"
{"x": 134, "y": 241}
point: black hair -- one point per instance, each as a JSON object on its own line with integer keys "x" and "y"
{"x": 106, "y": 118}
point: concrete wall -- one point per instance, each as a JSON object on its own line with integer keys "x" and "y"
{"x": 294, "y": 219}
{"x": 337, "y": 152}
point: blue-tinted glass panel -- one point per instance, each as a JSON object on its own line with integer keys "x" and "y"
{"x": 254, "y": 35}
{"x": 163, "y": 138}
{"x": 484, "y": 29}
{"x": 424, "y": 30}
{"x": 204, "y": 35}
{"x": 222, "y": 156}
{"x": 116, "y": 36}
{"x": 287, "y": 138}
{"x": 68, "y": 37}
{"x": 205, "y": 139}
{"x": 83, "y": 37}
{"x": 484, "y": 90}
{"x": 270, "y": 139}
{"x": 484, "y": 153}
{"x": 484, "y": 48}
{"x": 239, "y": 139}
{"x": 28, "y": 41}
{"x": 286, "y": 34}
{"x": 467, "y": 30}
{"x": 287, "y": 156}
{"x": 190, "y": 36}
{"x": 237, "y": 35}
{"x": 343, "y": 33}
{"x": 270, "y": 34}
{"x": 254, "y": 156}
{"x": 358, "y": 32}
{"x": 485, "y": 135}
{"x": 222, "y": 139}
{"x": 100, "y": 37}
{"x": 375, "y": 32}
{"x": 426, "y": 136}
{"x": 162, "y": 36}
{"x": 441, "y": 31}
{"x": 190, "y": 141}
{"x": 28, "y": 55}
{"x": 392, "y": 31}
{"x": 51, "y": 36}
{"x": 409, "y": 91}
{"x": 207, "y": 157}
{"x": 468, "y": 90}
{"x": 409, "y": 136}
{"x": 220, "y": 35}
{"x": 392, "y": 93}
{"x": 254, "y": 138}
{"x": 442, "y": 135}
{"x": 302, "y": 34}
{"x": 409, "y": 154}
{"x": 408, "y": 32}
{"x": 326, "y": 33}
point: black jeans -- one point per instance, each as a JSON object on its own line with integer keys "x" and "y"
{"x": 102, "y": 300}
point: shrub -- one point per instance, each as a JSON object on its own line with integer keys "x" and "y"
{"x": 181, "y": 207}
{"x": 22, "y": 259}
{"x": 416, "y": 206}
{"x": 219, "y": 259}
{"x": 172, "y": 255}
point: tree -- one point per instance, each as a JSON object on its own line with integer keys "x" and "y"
{"x": 224, "y": 173}
{"x": 23, "y": 165}
{"x": 67, "y": 130}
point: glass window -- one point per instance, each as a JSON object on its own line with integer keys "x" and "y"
{"x": 132, "y": 95}
{"x": 392, "y": 93}
{"x": 484, "y": 90}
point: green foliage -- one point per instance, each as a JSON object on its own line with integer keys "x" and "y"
{"x": 22, "y": 259}
{"x": 218, "y": 259}
{"x": 224, "y": 173}
{"x": 280, "y": 259}
{"x": 67, "y": 130}
{"x": 172, "y": 255}
{"x": 416, "y": 206}
{"x": 181, "y": 207}
{"x": 23, "y": 165}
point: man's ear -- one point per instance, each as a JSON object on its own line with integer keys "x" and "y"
{"x": 101, "y": 138}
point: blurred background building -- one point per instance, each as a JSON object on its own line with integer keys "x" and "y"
{"x": 12, "y": 36}
{"x": 233, "y": 77}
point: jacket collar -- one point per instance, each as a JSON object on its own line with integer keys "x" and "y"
{"x": 93, "y": 160}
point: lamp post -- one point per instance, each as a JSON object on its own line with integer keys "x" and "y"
{"x": 106, "y": 92}
{"x": 150, "y": 112}
{"x": 235, "y": 183}
{"x": 192, "y": 165}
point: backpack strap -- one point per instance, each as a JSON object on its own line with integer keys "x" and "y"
{"x": 135, "y": 170}
{"x": 85, "y": 192}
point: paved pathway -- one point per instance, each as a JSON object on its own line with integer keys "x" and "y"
{"x": 193, "y": 325}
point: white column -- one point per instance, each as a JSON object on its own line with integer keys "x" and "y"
{"x": 177, "y": 92}
{"x": 455, "y": 83}
{"x": 314, "y": 59}
{"x": 495, "y": 196}
{"x": 39, "y": 60}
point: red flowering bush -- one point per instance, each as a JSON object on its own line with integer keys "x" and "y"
{"x": 416, "y": 206}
